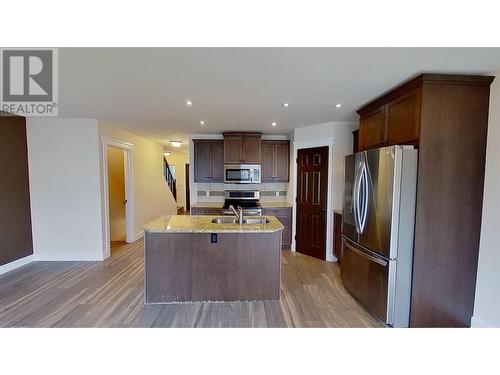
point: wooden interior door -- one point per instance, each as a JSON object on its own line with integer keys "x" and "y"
{"x": 312, "y": 185}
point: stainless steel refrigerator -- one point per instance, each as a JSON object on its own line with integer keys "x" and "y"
{"x": 377, "y": 231}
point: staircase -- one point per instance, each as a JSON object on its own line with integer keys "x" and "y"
{"x": 170, "y": 178}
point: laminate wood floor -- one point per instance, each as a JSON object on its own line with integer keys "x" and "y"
{"x": 111, "y": 294}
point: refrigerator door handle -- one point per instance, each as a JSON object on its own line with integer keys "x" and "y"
{"x": 364, "y": 190}
{"x": 355, "y": 200}
{"x": 382, "y": 262}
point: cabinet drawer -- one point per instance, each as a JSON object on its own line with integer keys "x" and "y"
{"x": 282, "y": 211}
{"x": 206, "y": 211}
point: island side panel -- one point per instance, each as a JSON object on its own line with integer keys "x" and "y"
{"x": 214, "y": 267}
{"x": 168, "y": 269}
{"x": 259, "y": 266}
{"x": 188, "y": 267}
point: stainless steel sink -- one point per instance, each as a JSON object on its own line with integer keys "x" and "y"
{"x": 256, "y": 220}
{"x": 232, "y": 220}
{"x": 225, "y": 220}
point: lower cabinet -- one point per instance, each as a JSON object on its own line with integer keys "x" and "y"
{"x": 284, "y": 215}
{"x": 337, "y": 235}
{"x": 206, "y": 211}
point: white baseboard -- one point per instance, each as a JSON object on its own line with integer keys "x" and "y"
{"x": 478, "y": 323}
{"x": 139, "y": 235}
{"x": 16, "y": 264}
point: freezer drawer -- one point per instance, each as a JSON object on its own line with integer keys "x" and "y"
{"x": 366, "y": 276}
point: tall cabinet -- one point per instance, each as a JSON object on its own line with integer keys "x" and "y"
{"x": 446, "y": 118}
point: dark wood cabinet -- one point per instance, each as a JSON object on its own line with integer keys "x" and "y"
{"x": 395, "y": 122}
{"x": 208, "y": 160}
{"x": 232, "y": 149}
{"x": 403, "y": 118}
{"x": 372, "y": 128}
{"x": 355, "y": 141}
{"x": 337, "y": 235}
{"x": 446, "y": 118}
{"x": 275, "y": 161}
{"x": 241, "y": 148}
{"x": 250, "y": 148}
{"x": 206, "y": 211}
{"x": 284, "y": 215}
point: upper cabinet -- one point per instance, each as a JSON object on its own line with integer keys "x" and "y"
{"x": 208, "y": 160}
{"x": 275, "y": 161}
{"x": 395, "y": 120}
{"x": 403, "y": 118}
{"x": 241, "y": 148}
{"x": 372, "y": 128}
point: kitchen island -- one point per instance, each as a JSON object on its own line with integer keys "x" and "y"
{"x": 211, "y": 258}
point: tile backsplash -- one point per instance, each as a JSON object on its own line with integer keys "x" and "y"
{"x": 214, "y": 192}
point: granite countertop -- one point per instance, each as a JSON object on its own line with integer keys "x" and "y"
{"x": 203, "y": 224}
{"x": 269, "y": 204}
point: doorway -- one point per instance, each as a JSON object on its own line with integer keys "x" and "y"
{"x": 116, "y": 193}
{"x": 312, "y": 201}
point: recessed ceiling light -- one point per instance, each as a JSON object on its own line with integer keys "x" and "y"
{"x": 167, "y": 154}
{"x": 274, "y": 123}
{"x": 338, "y": 105}
{"x": 176, "y": 143}
{"x": 189, "y": 102}
{"x": 202, "y": 122}
{"x": 286, "y": 104}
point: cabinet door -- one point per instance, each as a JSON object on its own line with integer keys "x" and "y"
{"x": 284, "y": 215}
{"x": 217, "y": 161}
{"x": 206, "y": 211}
{"x": 403, "y": 118}
{"x": 282, "y": 156}
{"x": 201, "y": 161}
{"x": 268, "y": 161}
{"x": 372, "y": 129}
{"x": 337, "y": 233}
{"x": 232, "y": 149}
{"x": 355, "y": 141}
{"x": 251, "y": 148}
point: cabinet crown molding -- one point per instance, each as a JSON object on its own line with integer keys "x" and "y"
{"x": 426, "y": 79}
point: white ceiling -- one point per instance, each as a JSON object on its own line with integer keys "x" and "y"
{"x": 145, "y": 89}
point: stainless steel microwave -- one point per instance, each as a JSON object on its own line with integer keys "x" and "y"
{"x": 242, "y": 173}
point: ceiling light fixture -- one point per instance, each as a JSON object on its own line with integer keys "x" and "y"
{"x": 189, "y": 102}
{"x": 167, "y": 154}
{"x": 202, "y": 122}
{"x": 273, "y": 124}
{"x": 286, "y": 105}
{"x": 338, "y": 105}
{"x": 176, "y": 143}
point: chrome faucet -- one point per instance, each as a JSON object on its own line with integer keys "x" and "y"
{"x": 239, "y": 213}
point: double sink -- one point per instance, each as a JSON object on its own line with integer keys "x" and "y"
{"x": 233, "y": 220}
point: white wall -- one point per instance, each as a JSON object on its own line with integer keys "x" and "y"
{"x": 487, "y": 302}
{"x": 63, "y": 157}
{"x": 152, "y": 195}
